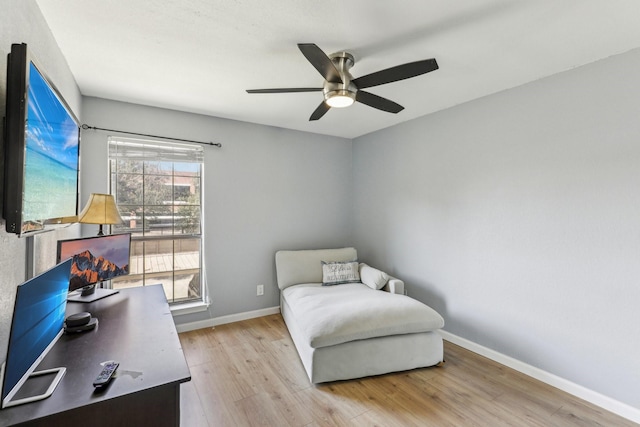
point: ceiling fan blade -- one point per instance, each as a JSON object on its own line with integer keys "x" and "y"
{"x": 393, "y": 74}
{"x": 319, "y": 112}
{"x": 286, "y": 90}
{"x": 321, "y": 62}
{"x": 378, "y": 102}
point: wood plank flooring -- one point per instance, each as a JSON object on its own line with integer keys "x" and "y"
{"x": 248, "y": 374}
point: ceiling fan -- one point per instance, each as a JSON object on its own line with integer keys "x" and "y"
{"x": 340, "y": 89}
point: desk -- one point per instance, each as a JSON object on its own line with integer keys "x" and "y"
{"x": 136, "y": 329}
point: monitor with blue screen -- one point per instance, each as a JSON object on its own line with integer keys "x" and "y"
{"x": 37, "y": 323}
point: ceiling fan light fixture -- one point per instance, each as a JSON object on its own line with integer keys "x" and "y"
{"x": 340, "y": 98}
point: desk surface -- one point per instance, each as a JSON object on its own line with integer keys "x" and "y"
{"x": 136, "y": 329}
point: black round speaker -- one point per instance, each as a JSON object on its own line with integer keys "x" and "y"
{"x": 77, "y": 319}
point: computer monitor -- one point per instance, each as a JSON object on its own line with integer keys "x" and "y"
{"x": 37, "y": 323}
{"x": 95, "y": 259}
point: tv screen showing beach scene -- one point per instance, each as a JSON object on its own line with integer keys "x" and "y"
{"x": 51, "y": 156}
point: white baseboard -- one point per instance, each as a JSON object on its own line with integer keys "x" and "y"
{"x": 209, "y": 323}
{"x": 605, "y": 402}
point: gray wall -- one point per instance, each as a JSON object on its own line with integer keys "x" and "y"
{"x": 265, "y": 189}
{"x": 517, "y": 216}
{"x": 22, "y": 22}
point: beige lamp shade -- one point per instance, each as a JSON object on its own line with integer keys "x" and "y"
{"x": 100, "y": 209}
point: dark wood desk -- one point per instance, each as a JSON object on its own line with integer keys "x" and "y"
{"x": 136, "y": 329}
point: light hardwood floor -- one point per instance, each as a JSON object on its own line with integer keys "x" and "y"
{"x": 248, "y": 374}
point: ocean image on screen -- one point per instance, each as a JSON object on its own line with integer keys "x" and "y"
{"x": 51, "y": 158}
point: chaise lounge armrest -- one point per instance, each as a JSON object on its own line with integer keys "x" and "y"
{"x": 394, "y": 286}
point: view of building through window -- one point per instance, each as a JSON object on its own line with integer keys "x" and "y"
{"x": 159, "y": 199}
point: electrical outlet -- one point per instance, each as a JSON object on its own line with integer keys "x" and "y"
{"x": 260, "y": 290}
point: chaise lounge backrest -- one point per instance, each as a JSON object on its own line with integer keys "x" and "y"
{"x": 295, "y": 267}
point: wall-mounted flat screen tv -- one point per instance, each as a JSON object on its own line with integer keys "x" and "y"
{"x": 41, "y": 146}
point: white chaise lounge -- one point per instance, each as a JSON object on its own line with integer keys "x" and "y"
{"x": 355, "y": 329}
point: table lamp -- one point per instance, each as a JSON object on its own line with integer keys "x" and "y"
{"x": 100, "y": 209}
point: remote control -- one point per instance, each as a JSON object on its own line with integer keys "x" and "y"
{"x": 106, "y": 374}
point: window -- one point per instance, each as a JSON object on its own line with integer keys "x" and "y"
{"x": 158, "y": 189}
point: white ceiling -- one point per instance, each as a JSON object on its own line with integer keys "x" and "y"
{"x": 201, "y": 55}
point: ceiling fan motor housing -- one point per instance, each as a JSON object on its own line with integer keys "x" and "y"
{"x": 341, "y": 94}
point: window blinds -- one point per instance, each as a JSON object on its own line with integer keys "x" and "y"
{"x": 145, "y": 150}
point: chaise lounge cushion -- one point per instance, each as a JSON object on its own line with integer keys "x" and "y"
{"x": 333, "y": 315}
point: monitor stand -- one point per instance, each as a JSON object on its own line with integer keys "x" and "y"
{"x": 93, "y": 293}
{"x": 58, "y": 372}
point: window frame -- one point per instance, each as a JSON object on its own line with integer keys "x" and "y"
{"x": 148, "y": 152}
